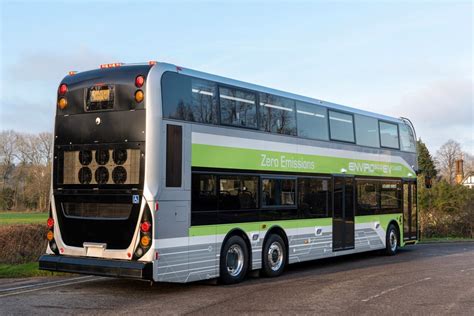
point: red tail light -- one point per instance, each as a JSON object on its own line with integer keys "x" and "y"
{"x": 62, "y": 89}
{"x": 139, "y": 81}
{"x": 145, "y": 227}
{"x": 50, "y": 223}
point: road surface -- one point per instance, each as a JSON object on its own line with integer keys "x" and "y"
{"x": 421, "y": 279}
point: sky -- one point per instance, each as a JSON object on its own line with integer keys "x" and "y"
{"x": 399, "y": 58}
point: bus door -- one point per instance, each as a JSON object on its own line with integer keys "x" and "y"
{"x": 410, "y": 215}
{"x": 343, "y": 213}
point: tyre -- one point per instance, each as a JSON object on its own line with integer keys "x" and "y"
{"x": 234, "y": 260}
{"x": 391, "y": 240}
{"x": 274, "y": 256}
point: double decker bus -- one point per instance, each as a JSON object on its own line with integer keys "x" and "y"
{"x": 170, "y": 174}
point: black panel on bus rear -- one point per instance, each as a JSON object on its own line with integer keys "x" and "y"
{"x": 81, "y": 227}
{"x": 114, "y": 127}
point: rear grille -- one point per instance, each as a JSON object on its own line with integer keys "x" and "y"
{"x": 97, "y": 210}
{"x": 101, "y": 166}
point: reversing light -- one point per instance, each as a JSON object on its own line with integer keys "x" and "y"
{"x": 62, "y": 103}
{"x": 139, "y": 96}
{"x": 62, "y": 89}
{"x": 145, "y": 227}
{"x": 50, "y": 223}
{"x": 139, "y": 81}
{"x": 145, "y": 241}
{"x": 50, "y": 235}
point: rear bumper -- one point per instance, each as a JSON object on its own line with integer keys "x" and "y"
{"x": 95, "y": 266}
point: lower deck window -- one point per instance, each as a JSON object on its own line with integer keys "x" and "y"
{"x": 278, "y": 192}
{"x": 238, "y": 192}
{"x": 314, "y": 197}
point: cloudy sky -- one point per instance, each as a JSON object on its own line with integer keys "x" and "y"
{"x": 399, "y": 58}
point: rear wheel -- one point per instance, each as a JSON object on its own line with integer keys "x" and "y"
{"x": 274, "y": 256}
{"x": 391, "y": 242}
{"x": 234, "y": 260}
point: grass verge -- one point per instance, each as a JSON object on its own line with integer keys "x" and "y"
{"x": 10, "y": 218}
{"x": 24, "y": 270}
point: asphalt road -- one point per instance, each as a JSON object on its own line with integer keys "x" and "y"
{"x": 422, "y": 279}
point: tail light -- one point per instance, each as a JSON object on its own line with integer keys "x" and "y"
{"x": 145, "y": 227}
{"x": 139, "y": 96}
{"x": 62, "y": 89}
{"x": 50, "y": 234}
{"x": 62, "y": 103}
{"x": 50, "y": 223}
{"x": 145, "y": 235}
{"x": 139, "y": 81}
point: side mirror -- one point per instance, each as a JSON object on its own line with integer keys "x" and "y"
{"x": 428, "y": 182}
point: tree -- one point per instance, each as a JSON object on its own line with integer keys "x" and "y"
{"x": 446, "y": 158}
{"x": 425, "y": 161}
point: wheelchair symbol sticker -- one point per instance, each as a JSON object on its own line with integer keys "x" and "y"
{"x": 136, "y": 199}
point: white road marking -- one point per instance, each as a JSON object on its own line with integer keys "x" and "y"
{"x": 41, "y": 284}
{"x": 464, "y": 270}
{"x": 51, "y": 286}
{"x": 393, "y": 289}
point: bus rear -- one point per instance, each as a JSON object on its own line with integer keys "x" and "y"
{"x": 99, "y": 221}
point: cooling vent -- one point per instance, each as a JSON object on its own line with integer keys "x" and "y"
{"x": 102, "y": 166}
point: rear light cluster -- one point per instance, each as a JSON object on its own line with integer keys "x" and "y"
{"x": 139, "y": 82}
{"x": 50, "y": 233}
{"x": 146, "y": 234}
{"x": 62, "y": 100}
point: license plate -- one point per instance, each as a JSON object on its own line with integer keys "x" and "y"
{"x": 100, "y": 95}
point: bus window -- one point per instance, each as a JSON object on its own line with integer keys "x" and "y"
{"x": 277, "y": 114}
{"x": 390, "y": 196}
{"x": 312, "y": 121}
{"x": 341, "y": 126}
{"x": 189, "y": 99}
{"x": 278, "y": 192}
{"x": 314, "y": 197}
{"x": 388, "y": 135}
{"x": 238, "y": 108}
{"x": 238, "y": 192}
{"x": 407, "y": 140}
{"x": 367, "y": 197}
{"x": 204, "y": 196}
{"x": 367, "y": 131}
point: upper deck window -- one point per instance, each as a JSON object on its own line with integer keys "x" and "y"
{"x": 407, "y": 140}
{"x": 277, "y": 114}
{"x": 367, "y": 131}
{"x": 388, "y": 135}
{"x": 238, "y": 107}
{"x": 189, "y": 99}
{"x": 341, "y": 126}
{"x": 312, "y": 121}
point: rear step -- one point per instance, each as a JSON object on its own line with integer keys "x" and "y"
{"x": 95, "y": 266}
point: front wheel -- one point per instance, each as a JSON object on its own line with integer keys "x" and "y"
{"x": 274, "y": 256}
{"x": 233, "y": 261}
{"x": 391, "y": 242}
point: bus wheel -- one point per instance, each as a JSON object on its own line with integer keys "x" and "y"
{"x": 391, "y": 241}
{"x": 234, "y": 260}
{"x": 274, "y": 256}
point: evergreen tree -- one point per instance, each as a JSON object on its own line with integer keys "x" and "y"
{"x": 425, "y": 161}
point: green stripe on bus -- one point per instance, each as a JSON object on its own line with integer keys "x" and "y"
{"x": 223, "y": 229}
{"x": 252, "y": 159}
